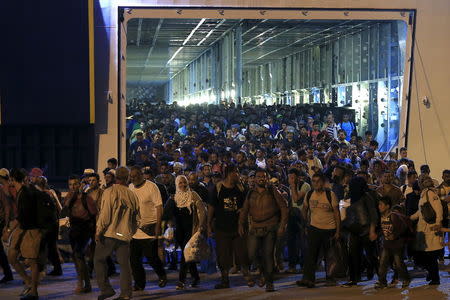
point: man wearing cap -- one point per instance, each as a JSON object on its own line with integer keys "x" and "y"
{"x": 6, "y": 215}
{"x": 110, "y": 178}
{"x": 140, "y": 146}
{"x": 34, "y": 174}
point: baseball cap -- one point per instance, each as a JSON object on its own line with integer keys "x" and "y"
{"x": 88, "y": 171}
{"x": 36, "y": 172}
{"x": 4, "y": 173}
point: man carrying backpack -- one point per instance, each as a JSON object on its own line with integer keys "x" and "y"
{"x": 321, "y": 208}
{"x": 81, "y": 211}
{"x": 394, "y": 228}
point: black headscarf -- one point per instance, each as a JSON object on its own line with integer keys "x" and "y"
{"x": 358, "y": 187}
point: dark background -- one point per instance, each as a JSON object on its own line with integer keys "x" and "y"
{"x": 44, "y": 87}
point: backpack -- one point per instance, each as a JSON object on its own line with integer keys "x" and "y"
{"x": 410, "y": 232}
{"x": 308, "y": 196}
{"x": 47, "y": 214}
{"x": 444, "y": 210}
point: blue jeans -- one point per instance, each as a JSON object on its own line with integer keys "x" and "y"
{"x": 263, "y": 238}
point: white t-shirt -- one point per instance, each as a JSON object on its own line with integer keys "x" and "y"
{"x": 149, "y": 198}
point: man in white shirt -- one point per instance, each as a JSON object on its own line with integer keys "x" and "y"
{"x": 145, "y": 240}
{"x": 116, "y": 225}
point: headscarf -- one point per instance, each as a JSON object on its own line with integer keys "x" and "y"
{"x": 183, "y": 199}
{"x": 358, "y": 187}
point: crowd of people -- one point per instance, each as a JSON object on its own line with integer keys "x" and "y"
{"x": 268, "y": 185}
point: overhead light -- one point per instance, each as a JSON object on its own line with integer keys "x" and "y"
{"x": 186, "y": 40}
{"x": 193, "y": 31}
{"x": 210, "y": 32}
{"x": 173, "y": 56}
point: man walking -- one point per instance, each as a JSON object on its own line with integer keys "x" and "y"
{"x": 145, "y": 241}
{"x": 269, "y": 214}
{"x": 227, "y": 199}
{"x": 322, "y": 207}
{"x": 116, "y": 225}
{"x": 26, "y": 237}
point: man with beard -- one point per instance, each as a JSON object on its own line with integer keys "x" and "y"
{"x": 269, "y": 214}
{"x": 206, "y": 174}
{"x": 227, "y": 199}
{"x": 110, "y": 177}
{"x": 198, "y": 187}
{"x": 387, "y": 189}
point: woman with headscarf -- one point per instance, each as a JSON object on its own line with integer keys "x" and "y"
{"x": 428, "y": 242}
{"x": 360, "y": 223}
{"x": 189, "y": 213}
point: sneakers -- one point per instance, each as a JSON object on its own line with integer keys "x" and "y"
{"x": 380, "y": 285}
{"x": 162, "y": 282}
{"x": 349, "y": 284}
{"x": 106, "y": 295}
{"x": 405, "y": 283}
{"x": 269, "y": 287}
{"x": 434, "y": 282}
{"x": 261, "y": 281}
{"x": 250, "y": 282}
{"x": 305, "y": 283}
{"x": 25, "y": 291}
{"x": 180, "y": 286}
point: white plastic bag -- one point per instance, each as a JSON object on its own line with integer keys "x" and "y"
{"x": 169, "y": 234}
{"x": 196, "y": 249}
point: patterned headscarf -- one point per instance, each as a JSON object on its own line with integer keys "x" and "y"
{"x": 183, "y": 199}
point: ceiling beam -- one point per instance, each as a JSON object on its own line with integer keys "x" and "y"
{"x": 253, "y": 27}
{"x": 275, "y": 36}
{"x": 263, "y": 33}
{"x": 211, "y": 31}
{"x": 139, "y": 31}
{"x": 209, "y": 46}
{"x": 299, "y": 40}
{"x": 338, "y": 34}
{"x": 150, "y": 50}
{"x": 186, "y": 40}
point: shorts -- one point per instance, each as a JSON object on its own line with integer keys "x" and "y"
{"x": 27, "y": 242}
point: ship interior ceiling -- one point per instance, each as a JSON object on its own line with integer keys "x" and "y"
{"x": 347, "y": 64}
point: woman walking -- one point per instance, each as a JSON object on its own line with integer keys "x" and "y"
{"x": 189, "y": 213}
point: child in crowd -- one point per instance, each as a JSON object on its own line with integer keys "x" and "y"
{"x": 394, "y": 226}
